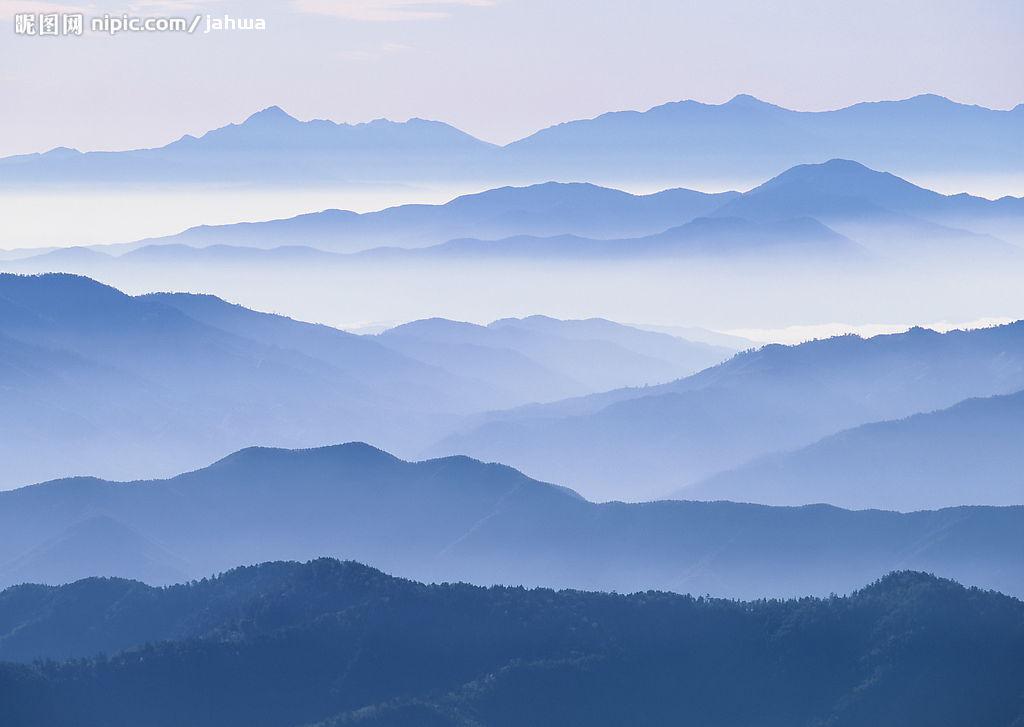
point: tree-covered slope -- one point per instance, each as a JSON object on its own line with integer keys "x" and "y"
{"x": 284, "y": 644}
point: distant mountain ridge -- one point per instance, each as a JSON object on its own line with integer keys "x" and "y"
{"x": 836, "y": 192}
{"x": 831, "y": 210}
{"x": 934, "y": 459}
{"x": 270, "y": 146}
{"x": 744, "y": 136}
{"x": 747, "y": 136}
{"x": 568, "y": 356}
{"x": 456, "y": 518}
{"x": 96, "y": 381}
{"x": 660, "y": 439}
{"x": 722, "y": 239}
{"x": 543, "y": 209}
{"x": 880, "y": 209}
{"x": 713, "y": 240}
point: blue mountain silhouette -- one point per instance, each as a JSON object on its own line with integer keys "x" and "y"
{"x": 968, "y": 453}
{"x": 459, "y": 519}
{"x": 744, "y": 137}
{"x": 652, "y": 440}
{"x": 129, "y": 386}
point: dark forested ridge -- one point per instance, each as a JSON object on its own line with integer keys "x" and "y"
{"x": 333, "y": 643}
{"x": 459, "y": 519}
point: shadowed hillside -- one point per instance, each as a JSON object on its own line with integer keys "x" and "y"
{"x": 459, "y": 519}
{"x": 284, "y": 644}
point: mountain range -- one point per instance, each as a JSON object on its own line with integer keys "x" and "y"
{"x": 888, "y": 214}
{"x": 652, "y": 440}
{"x": 459, "y": 519}
{"x": 970, "y": 452}
{"x": 269, "y": 147}
{"x": 922, "y": 134}
{"x": 672, "y": 143}
{"x": 99, "y": 382}
{"x": 716, "y": 240}
{"x": 125, "y": 387}
{"x": 96, "y": 381}
{"x": 546, "y": 358}
{"x": 330, "y": 644}
{"x": 728, "y": 239}
{"x": 474, "y": 499}
{"x": 837, "y": 210}
{"x": 542, "y": 210}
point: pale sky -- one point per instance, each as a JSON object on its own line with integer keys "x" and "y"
{"x": 498, "y": 69}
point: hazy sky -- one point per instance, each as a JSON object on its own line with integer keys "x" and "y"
{"x": 498, "y": 69}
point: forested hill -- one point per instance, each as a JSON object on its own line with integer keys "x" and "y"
{"x": 333, "y": 643}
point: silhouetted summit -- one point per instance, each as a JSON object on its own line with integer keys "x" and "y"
{"x": 270, "y": 115}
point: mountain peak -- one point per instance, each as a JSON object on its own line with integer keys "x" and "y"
{"x": 831, "y": 167}
{"x": 850, "y": 164}
{"x": 907, "y": 584}
{"x": 271, "y": 114}
{"x": 265, "y": 458}
{"x": 933, "y": 99}
{"x": 745, "y": 99}
{"x": 431, "y": 326}
{"x": 837, "y": 175}
{"x": 62, "y": 152}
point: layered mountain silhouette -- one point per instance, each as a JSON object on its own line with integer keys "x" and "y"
{"x": 721, "y": 239}
{"x": 111, "y": 545}
{"x": 568, "y": 356}
{"x": 887, "y": 213}
{"x": 541, "y": 210}
{"x": 678, "y": 141}
{"x": 747, "y": 136}
{"x": 97, "y": 381}
{"x": 643, "y": 442}
{"x": 459, "y": 519}
{"x": 673, "y": 347}
{"x": 842, "y": 188}
{"x": 970, "y": 452}
{"x": 717, "y": 240}
{"x": 828, "y": 534}
{"x": 837, "y": 210}
{"x": 330, "y": 643}
{"x": 271, "y": 147}
{"x": 101, "y": 381}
